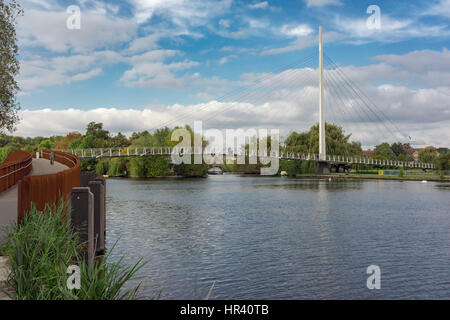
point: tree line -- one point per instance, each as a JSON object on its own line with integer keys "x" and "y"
{"x": 96, "y": 136}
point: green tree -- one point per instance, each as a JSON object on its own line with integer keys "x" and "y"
{"x": 428, "y": 154}
{"x": 96, "y": 130}
{"x": 442, "y": 162}
{"x": 120, "y": 141}
{"x": 337, "y": 142}
{"x": 9, "y": 65}
{"x": 46, "y": 144}
{"x": 384, "y": 150}
{"x": 405, "y": 157}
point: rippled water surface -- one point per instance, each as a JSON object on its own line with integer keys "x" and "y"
{"x": 278, "y": 238}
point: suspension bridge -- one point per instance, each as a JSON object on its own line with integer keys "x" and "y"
{"x": 348, "y": 105}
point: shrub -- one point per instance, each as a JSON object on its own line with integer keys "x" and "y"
{"x": 41, "y": 249}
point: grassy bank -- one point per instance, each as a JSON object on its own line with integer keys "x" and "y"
{"x": 436, "y": 178}
{"x": 41, "y": 250}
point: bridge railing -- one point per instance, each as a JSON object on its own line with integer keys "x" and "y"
{"x": 48, "y": 189}
{"x": 17, "y": 165}
{"x": 148, "y": 151}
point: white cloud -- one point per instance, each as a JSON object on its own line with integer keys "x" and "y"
{"x": 296, "y": 30}
{"x": 180, "y": 12}
{"x": 322, "y": 3}
{"x": 43, "y": 28}
{"x": 259, "y": 5}
{"x": 303, "y": 42}
{"x": 439, "y": 8}
{"x": 392, "y": 29}
{"x": 225, "y": 23}
{"x": 37, "y": 73}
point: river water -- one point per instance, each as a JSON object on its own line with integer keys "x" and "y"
{"x": 281, "y": 238}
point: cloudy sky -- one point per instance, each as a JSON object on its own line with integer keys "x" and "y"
{"x": 139, "y": 64}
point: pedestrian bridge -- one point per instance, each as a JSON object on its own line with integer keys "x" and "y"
{"x": 100, "y": 153}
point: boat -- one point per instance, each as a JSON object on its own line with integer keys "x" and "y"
{"x": 215, "y": 170}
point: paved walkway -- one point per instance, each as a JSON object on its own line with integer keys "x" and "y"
{"x": 8, "y": 199}
{"x": 8, "y": 214}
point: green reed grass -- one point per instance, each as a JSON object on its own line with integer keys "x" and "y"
{"x": 40, "y": 251}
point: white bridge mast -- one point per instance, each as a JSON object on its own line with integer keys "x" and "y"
{"x": 322, "y": 146}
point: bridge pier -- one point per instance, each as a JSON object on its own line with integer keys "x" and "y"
{"x": 322, "y": 167}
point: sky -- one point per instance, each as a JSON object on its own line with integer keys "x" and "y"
{"x": 137, "y": 65}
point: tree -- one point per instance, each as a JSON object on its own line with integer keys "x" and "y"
{"x": 120, "y": 141}
{"x": 384, "y": 150}
{"x": 9, "y": 65}
{"x": 96, "y": 131}
{"x": 64, "y": 143}
{"x": 46, "y": 144}
{"x": 442, "y": 163}
{"x": 337, "y": 142}
{"x": 428, "y": 154}
{"x": 405, "y": 158}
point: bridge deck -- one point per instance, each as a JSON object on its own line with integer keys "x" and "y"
{"x": 8, "y": 199}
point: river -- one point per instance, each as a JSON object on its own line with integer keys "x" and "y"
{"x": 282, "y": 238}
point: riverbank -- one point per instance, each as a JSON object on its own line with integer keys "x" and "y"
{"x": 370, "y": 177}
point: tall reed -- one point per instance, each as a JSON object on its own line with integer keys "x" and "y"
{"x": 45, "y": 245}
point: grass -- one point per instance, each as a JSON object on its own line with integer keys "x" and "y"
{"x": 45, "y": 245}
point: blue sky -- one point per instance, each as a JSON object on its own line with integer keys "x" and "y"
{"x": 135, "y": 64}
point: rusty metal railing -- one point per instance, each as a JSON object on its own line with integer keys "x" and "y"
{"x": 17, "y": 165}
{"x": 50, "y": 188}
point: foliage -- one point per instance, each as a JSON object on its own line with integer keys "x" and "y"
{"x": 156, "y": 166}
{"x": 46, "y": 144}
{"x": 4, "y": 153}
{"x": 442, "y": 162}
{"x": 384, "y": 152}
{"x": 402, "y": 149}
{"x": 405, "y": 157}
{"x": 41, "y": 249}
{"x": 102, "y": 167}
{"x": 62, "y": 143}
{"x": 337, "y": 142}
{"x": 9, "y": 65}
{"x": 117, "y": 167}
{"x": 428, "y": 154}
{"x": 88, "y": 165}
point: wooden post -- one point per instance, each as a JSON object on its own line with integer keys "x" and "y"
{"x": 82, "y": 218}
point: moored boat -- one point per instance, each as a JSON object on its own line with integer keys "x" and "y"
{"x": 215, "y": 170}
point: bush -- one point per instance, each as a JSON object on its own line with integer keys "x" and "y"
{"x": 137, "y": 167}
{"x": 156, "y": 166}
{"x": 102, "y": 167}
{"x": 117, "y": 167}
{"x": 4, "y": 152}
{"x": 41, "y": 249}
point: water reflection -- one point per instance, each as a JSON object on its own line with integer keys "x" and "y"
{"x": 273, "y": 238}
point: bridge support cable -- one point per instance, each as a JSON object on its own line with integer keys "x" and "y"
{"x": 356, "y": 92}
{"x": 355, "y": 115}
{"x": 350, "y": 96}
{"x": 293, "y": 79}
{"x": 370, "y": 101}
{"x": 242, "y": 91}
